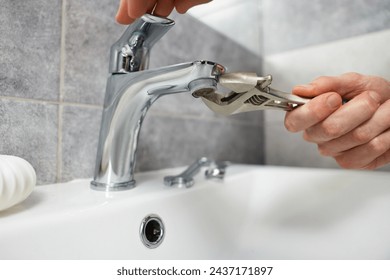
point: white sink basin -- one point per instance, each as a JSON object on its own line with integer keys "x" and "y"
{"x": 257, "y": 212}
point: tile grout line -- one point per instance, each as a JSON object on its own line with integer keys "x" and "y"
{"x": 61, "y": 91}
{"x": 52, "y": 102}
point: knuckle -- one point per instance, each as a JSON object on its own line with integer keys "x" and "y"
{"x": 309, "y": 136}
{"x": 345, "y": 162}
{"x": 377, "y": 145}
{"x": 320, "y": 79}
{"x": 324, "y": 150}
{"x": 372, "y": 102}
{"x": 361, "y": 135}
{"x": 331, "y": 130}
{"x": 353, "y": 76}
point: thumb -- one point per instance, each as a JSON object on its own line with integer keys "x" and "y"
{"x": 350, "y": 84}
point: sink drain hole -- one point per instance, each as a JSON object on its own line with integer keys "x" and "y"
{"x": 152, "y": 231}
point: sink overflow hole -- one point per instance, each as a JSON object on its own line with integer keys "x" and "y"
{"x": 152, "y": 231}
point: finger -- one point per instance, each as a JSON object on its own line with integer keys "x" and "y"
{"x": 364, "y": 156}
{"x": 315, "y": 111}
{"x": 344, "y": 120}
{"x": 343, "y": 85}
{"x": 150, "y": 6}
{"x": 361, "y": 135}
{"x": 163, "y": 8}
{"x": 183, "y": 6}
{"x": 122, "y": 16}
{"x": 379, "y": 161}
{"x": 136, "y": 8}
{"x": 130, "y": 10}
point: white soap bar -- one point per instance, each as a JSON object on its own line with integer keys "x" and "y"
{"x": 17, "y": 180}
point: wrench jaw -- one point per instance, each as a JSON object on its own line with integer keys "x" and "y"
{"x": 248, "y": 92}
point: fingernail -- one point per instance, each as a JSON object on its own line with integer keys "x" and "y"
{"x": 333, "y": 101}
{"x": 305, "y": 86}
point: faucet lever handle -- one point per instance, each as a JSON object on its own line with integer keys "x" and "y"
{"x": 131, "y": 52}
{"x": 185, "y": 179}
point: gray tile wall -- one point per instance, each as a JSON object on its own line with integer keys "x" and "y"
{"x": 295, "y": 24}
{"x": 29, "y": 82}
{"x": 53, "y": 70}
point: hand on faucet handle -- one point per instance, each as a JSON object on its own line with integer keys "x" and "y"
{"x": 130, "y": 10}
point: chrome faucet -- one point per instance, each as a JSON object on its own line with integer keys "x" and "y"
{"x": 130, "y": 92}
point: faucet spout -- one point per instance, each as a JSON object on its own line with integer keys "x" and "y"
{"x": 128, "y": 98}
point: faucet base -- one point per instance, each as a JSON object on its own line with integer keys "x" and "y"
{"x": 113, "y": 186}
